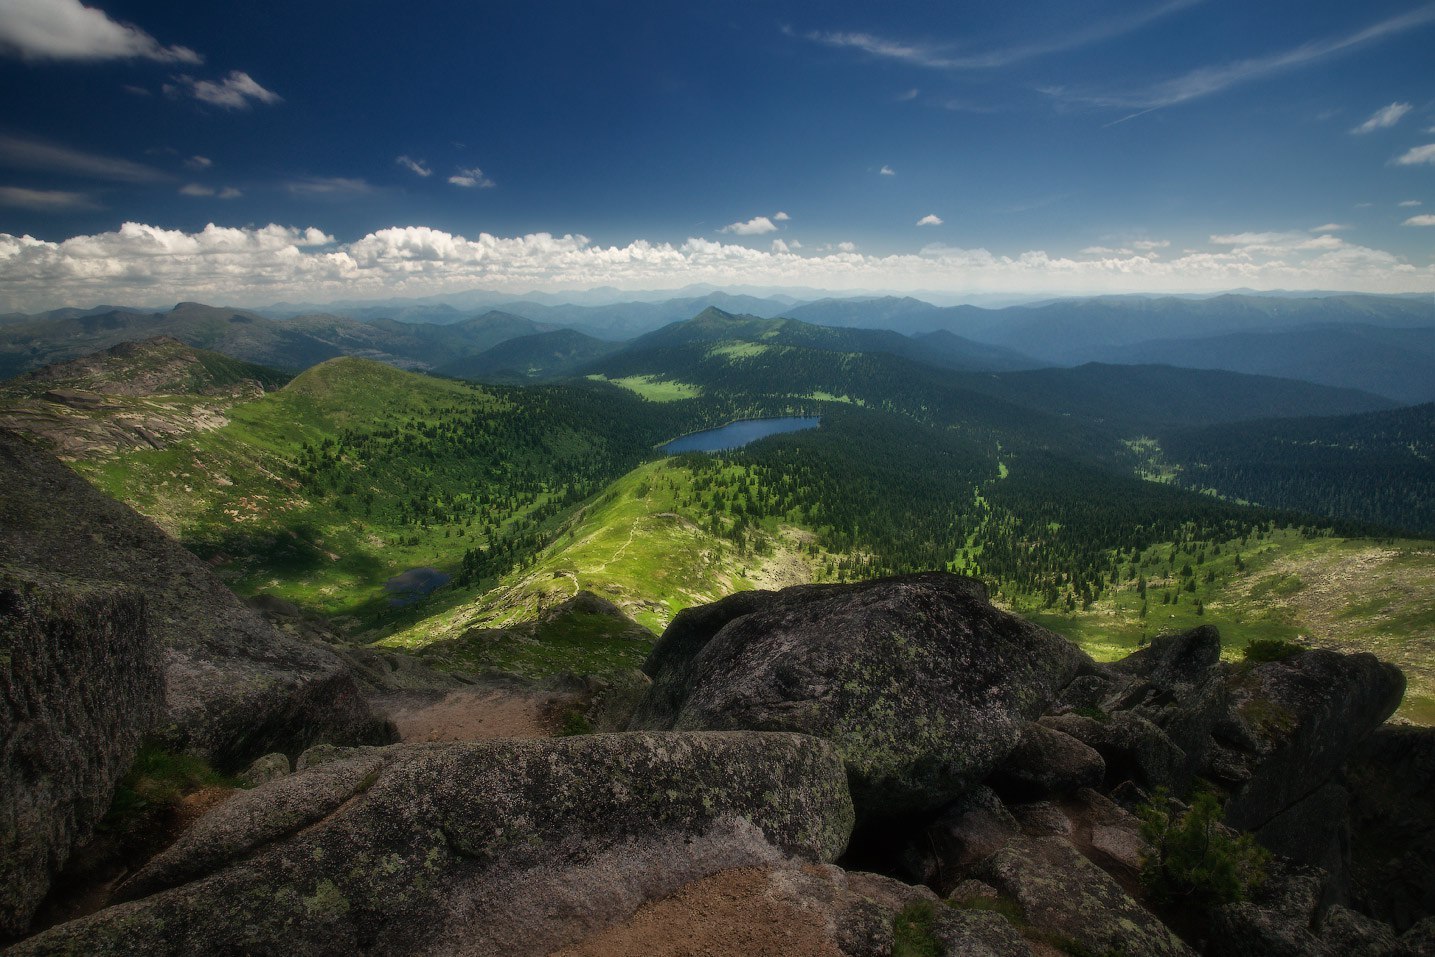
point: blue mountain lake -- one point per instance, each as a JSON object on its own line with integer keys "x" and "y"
{"x": 416, "y": 583}
{"x": 735, "y": 435}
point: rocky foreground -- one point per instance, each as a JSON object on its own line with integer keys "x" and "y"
{"x": 889, "y": 768}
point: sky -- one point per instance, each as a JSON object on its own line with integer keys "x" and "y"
{"x": 152, "y": 152}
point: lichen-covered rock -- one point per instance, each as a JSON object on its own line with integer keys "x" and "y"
{"x": 1279, "y": 923}
{"x": 501, "y": 848}
{"x": 971, "y": 829}
{"x": 80, "y": 684}
{"x": 235, "y": 689}
{"x": 1047, "y": 762}
{"x": 265, "y": 769}
{"x": 1061, "y": 893}
{"x": 1132, "y": 748}
{"x": 922, "y": 685}
{"x": 1309, "y": 714}
{"x": 1345, "y": 932}
{"x": 1177, "y": 684}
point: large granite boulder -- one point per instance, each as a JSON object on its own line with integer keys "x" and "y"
{"x": 235, "y": 688}
{"x": 923, "y": 685}
{"x": 80, "y": 683}
{"x": 1391, "y": 783}
{"x": 493, "y": 848}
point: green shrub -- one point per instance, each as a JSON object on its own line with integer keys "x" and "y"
{"x": 574, "y": 722}
{"x": 159, "y": 779}
{"x": 1271, "y": 649}
{"x": 1194, "y": 858}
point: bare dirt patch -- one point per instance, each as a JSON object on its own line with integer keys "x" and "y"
{"x": 730, "y": 914}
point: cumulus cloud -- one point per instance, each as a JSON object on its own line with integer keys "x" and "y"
{"x": 471, "y": 178}
{"x": 45, "y": 200}
{"x": 887, "y": 171}
{"x": 780, "y": 217}
{"x": 756, "y": 226}
{"x": 414, "y": 166}
{"x": 780, "y": 247}
{"x": 931, "y": 219}
{"x": 1424, "y": 219}
{"x": 1383, "y": 118}
{"x": 146, "y": 264}
{"x": 1417, "y": 155}
{"x": 237, "y": 91}
{"x": 25, "y": 153}
{"x": 1147, "y": 245}
{"x": 69, "y": 30}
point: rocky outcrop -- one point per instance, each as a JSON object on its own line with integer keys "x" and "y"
{"x": 921, "y": 684}
{"x": 1391, "y": 782}
{"x": 235, "y": 688}
{"x": 80, "y": 683}
{"x": 503, "y": 848}
{"x": 1047, "y": 762}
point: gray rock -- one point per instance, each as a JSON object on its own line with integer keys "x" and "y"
{"x": 970, "y": 830}
{"x": 1309, "y": 714}
{"x": 1418, "y": 941}
{"x": 1278, "y": 924}
{"x": 1391, "y": 781}
{"x": 265, "y": 769}
{"x": 1042, "y": 819}
{"x": 80, "y": 683}
{"x": 1132, "y": 748}
{"x": 922, "y": 685}
{"x": 1046, "y": 763}
{"x": 235, "y": 689}
{"x": 1345, "y": 932}
{"x": 491, "y": 848}
{"x": 1061, "y": 893}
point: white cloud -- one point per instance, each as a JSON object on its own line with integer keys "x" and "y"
{"x": 1417, "y": 155}
{"x": 46, "y": 200}
{"x": 237, "y": 91}
{"x": 1407, "y": 203}
{"x": 36, "y": 154}
{"x": 142, "y": 264}
{"x": 780, "y": 217}
{"x": 1107, "y": 251}
{"x": 69, "y": 30}
{"x": 931, "y": 219}
{"x": 195, "y": 189}
{"x": 887, "y": 171}
{"x": 1330, "y": 228}
{"x": 1383, "y": 118}
{"x": 229, "y": 192}
{"x": 1424, "y": 219}
{"x": 199, "y": 162}
{"x": 779, "y": 247}
{"x": 1213, "y": 79}
{"x": 471, "y": 178}
{"x": 414, "y": 166}
{"x": 1147, "y": 245}
{"x": 329, "y": 186}
{"x": 756, "y": 226}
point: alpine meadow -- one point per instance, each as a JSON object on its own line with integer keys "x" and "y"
{"x": 615, "y": 479}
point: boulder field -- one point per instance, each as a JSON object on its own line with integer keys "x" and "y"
{"x": 890, "y": 768}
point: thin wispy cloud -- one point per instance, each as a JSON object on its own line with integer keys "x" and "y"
{"x": 200, "y": 190}
{"x": 22, "y": 153}
{"x": 417, "y": 167}
{"x": 471, "y": 178}
{"x": 199, "y": 162}
{"x": 237, "y": 91}
{"x": 1330, "y": 228}
{"x": 45, "y": 200}
{"x": 1383, "y": 118}
{"x": 938, "y": 56}
{"x": 1420, "y": 155}
{"x": 1208, "y": 80}
{"x": 69, "y": 30}
{"x": 329, "y": 186}
{"x": 1410, "y": 202}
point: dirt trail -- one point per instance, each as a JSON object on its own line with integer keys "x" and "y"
{"x": 474, "y": 714}
{"x": 727, "y": 915}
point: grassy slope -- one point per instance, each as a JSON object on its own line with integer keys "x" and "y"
{"x": 235, "y": 486}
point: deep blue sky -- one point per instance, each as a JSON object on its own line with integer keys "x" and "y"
{"x": 1076, "y": 129}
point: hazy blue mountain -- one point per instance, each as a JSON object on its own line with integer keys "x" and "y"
{"x": 1398, "y": 363}
{"x": 532, "y": 358}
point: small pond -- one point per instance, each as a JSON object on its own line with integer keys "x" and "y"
{"x": 408, "y": 587}
{"x": 735, "y": 435}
